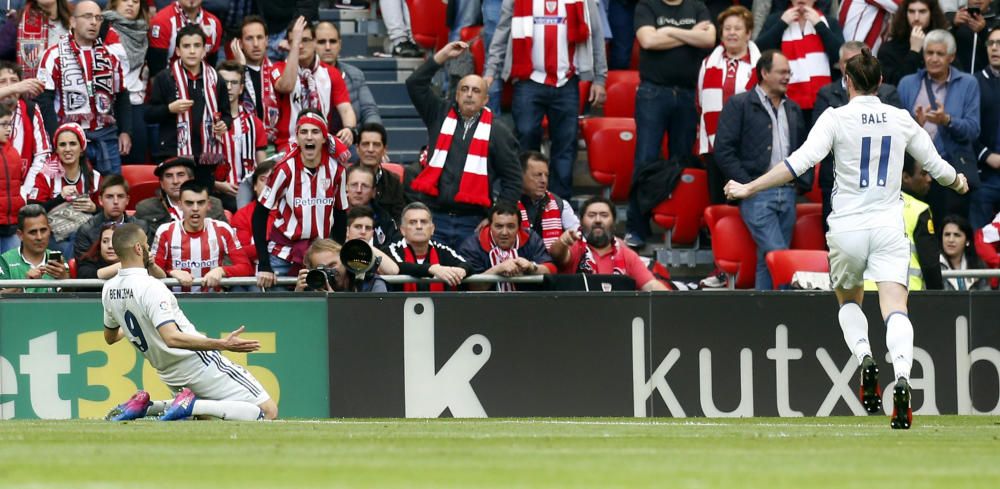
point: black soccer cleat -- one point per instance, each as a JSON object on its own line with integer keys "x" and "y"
{"x": 902, "y": 413}
{"x": 870, "y": 392}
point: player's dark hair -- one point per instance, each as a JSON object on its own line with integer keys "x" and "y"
{"x": 190, "y": 30}
{"x": 125, "y": 237}
{"x": 864, "y": 72}
{"x": 194, "y": 186}
{"x": 111, "y": 181}
{"x": 503, "y": 208}
{"x": 29, "y": 211}
{"x": 377, "y": 128}
{"x": 598, "y": 200}
{"x": 359, "y": 212}
{"x": 525, "y": 156}
{"x": 766, "y": 61}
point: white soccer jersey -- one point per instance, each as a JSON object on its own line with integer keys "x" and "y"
{"x": 868, "y": 139}
{"x": 142, "y": 304}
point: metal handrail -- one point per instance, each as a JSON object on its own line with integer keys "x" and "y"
{"x": 84, "y": 283}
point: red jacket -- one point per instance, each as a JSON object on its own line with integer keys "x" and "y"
{"x": 10, "y": 185}
{"x": 242, "y": 221}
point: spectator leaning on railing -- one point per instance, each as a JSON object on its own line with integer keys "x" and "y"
{"x": 418, "y": 256}
{"x": 32, "y": 260}
{"x": 504, "y": 248}
{"x": 595, "y": 249}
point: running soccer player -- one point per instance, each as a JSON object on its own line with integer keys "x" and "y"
{"x": 207, "y": 384}
{"x": 866, "y": 237}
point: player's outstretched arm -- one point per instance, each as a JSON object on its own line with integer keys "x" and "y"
{"x": 174, "y": 338}
{"x": 778, "y": 175}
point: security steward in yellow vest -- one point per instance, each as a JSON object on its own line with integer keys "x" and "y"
{"x": 925, "y": 249}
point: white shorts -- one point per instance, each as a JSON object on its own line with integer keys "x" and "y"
{"x": 223, "y": 380}
{"x": 877, "y": 254}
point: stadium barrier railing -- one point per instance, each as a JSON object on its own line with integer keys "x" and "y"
{"x": 252, "y": 281}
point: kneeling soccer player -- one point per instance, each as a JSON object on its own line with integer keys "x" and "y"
{"x": 207, "y": 384}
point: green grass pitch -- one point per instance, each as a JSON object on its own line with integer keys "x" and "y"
{"x": 838, "y": 452}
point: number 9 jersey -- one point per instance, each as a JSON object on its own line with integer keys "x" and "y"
{"x": 869, "y": 140}
{"x": 142, "y": 304}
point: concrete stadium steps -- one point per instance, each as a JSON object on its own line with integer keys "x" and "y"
{"x": 361, "y": 33}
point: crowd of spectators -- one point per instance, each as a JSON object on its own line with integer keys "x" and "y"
{"x": 270, "y": 150}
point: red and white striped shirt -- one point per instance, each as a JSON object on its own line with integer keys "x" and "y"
{"x": 866, "y": 20}
{"x": 164, "y": 25}
{"x": 332, "y": 92}
{"x": 551, "y": 54}
{"x": 246, "y": 135}
{"x": 198, "y": 253}
{"x": 305, "y": 201}
{"x": 50, "y": 73}
{"x": 31, "y": 141}
{"x": 46, "y": 188}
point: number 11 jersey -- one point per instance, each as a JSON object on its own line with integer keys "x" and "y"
{"x": 869, "y": 140}
{"x": 142, "y": 304}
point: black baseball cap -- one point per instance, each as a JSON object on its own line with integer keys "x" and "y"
{"x": 172, "y": 162}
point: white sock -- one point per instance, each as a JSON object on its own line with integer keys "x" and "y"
{"x": 229, "y": 410}
{"x": 855, "y": 326}
{"x": 899, "y": 340}
{"x": 158, "y": 408}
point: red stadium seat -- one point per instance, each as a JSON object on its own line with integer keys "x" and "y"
{"x": 682, "y": 212}
{"x": 815, "y": 194}
{"x": 714, "y": 213}
{"x": 784, "y": 263}
{"x": 72, "y": 267}
{"x": 621, "y": 87}
{"x": 610, "y": 150}
{"x": 807, "y": 208}
{"x": 735, "y": 251}
{"x": 394, "y": 168}
{"x": 140, "y": 192}
{"x": 136, "y": 174}
{"x": 808, "y": 233}
{"x": 427, "y": 23}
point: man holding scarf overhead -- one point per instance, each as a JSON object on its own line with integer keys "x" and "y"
{"x": 85, "y": 84}
{"x": 188, "y": 96}
{"x": 474, "y": 157}
{"x": 307, "y": 191}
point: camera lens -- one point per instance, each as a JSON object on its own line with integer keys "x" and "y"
{"x": 316, "y": 279}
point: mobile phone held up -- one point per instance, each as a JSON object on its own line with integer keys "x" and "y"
{"x": 974, "y": 11}
{"x": 55, "y": 255}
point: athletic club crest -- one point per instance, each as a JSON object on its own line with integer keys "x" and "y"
{"x": 550, "y": 6}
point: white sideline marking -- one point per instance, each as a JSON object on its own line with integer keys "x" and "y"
{"x": 638, "y": 422}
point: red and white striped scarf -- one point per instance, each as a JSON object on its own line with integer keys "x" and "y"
{"x": 474, "y": 187}
{"x": 522, "y": 28}
{"x": 29, "y": 138}
{"x": 238, "y": 147}
{"x": 714, "y": 92}
{"x": 499, "y": 255}
{"x": 88, "y": 84}
{"x": 431, "y": 259}
{"x": 551, "y": 220}
{"x": 808, "y": 60}
{"x": 310, "y": 89}
{"x": 32, "y": 40}
{"x": 268, "y": 99}
{"x": 866, "y": 20}
{"x": 991, "y": 231}
{"x": 210, "y": 150}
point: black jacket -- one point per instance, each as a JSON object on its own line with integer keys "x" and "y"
{"x": 162, "y": 93}
{"x": 389, "y": 193}
{"x": 503, "y": 168}
{"x": 90, "y": 231}
{"x": 897, "y": 60}
{"x": 743, "y": 138}
{"x": 989, "y": 119}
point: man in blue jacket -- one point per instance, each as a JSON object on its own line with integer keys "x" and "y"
{"x": 945, "y": 101}
{"x": 757, "y": 130}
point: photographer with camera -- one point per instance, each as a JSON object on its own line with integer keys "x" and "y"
{"x": 326, "y": 272}
{"x": 361, "y": 225}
